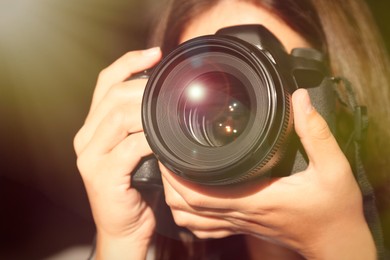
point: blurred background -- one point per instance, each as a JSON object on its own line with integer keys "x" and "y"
{"x": 51, "y": 52}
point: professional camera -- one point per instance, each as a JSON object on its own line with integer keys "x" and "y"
{"x": 217, "y": 110}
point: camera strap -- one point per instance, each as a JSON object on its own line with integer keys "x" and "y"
{"x": 347, "y": 97}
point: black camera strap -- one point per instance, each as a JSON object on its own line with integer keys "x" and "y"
{"x": 360, "y": 120}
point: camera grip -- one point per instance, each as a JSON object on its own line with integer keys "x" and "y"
{"x": 147, "y": 180}
{"x": 147, "y": 175}
{"x": 323, "y": 99}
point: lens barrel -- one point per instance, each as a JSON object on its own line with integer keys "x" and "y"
{"x": 217, "y": 111}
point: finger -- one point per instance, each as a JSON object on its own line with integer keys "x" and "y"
{"x": 176, "y": 202}
{"x": 193, "y": 221}
{"x": 128, "y": 92}
{"x": 214, "y": 234}
{"x": 123, "y": 68}
{"x": 126, "y": 95}
{"x": 208, "y": 227}
{"x": 127, "y": 154}
{"x": 317, "y": 139}
{"x": 180, "y": 194}
{"x": 117, "y": 165}
{"x": 113, "y": 129}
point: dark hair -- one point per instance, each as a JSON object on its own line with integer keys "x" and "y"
{"x": 346, "y": 32}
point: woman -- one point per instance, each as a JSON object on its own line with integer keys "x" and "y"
{"x": 293, "y": 217}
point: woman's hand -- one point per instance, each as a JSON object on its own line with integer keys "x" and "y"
{"x": 109, "y": 146}
{"x": 317, "y": 212}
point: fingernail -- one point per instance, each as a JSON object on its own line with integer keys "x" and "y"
{"x": 306, "y": 105}
{"x": 151, "y": 52}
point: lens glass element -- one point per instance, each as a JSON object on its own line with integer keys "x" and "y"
{"x": 214, "y": 109}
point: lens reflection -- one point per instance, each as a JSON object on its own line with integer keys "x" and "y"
{"x": 214, "y": 109}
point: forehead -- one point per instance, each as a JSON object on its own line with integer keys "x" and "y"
{"x": 229, "y": 13}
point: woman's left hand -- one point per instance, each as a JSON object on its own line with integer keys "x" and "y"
{"x": 317, "y": 212}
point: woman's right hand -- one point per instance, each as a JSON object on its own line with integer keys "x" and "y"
{"x": 109, "y": 146}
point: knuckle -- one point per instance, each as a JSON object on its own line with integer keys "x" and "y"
{"x": 103, "y": 74}
{"x": 201, "y": 235}
{"x": 78, "y": 141}
{"x": 172, "y": 202}
{"x": 89, "y": 172}
{"x": 179, "y": 219}
{"x": 117, "y": 116}
{"x": 83, "y": 164}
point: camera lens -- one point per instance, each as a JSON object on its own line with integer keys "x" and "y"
{"x": 215, "y": 111}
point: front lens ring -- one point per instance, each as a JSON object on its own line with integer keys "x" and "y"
{"x": 202, "y": 164}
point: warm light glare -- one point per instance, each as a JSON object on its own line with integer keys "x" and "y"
{"x": 196, "y": 92}
{"x": 51, "y": 52}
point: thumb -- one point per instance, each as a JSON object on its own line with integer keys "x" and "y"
{"x": 318, "y": 141}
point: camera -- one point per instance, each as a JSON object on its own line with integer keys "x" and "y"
{"x": 217, "y": 109}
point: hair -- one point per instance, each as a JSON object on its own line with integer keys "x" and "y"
{"x": 346, "y": 33}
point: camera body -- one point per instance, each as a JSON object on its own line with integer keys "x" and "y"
{"x": 217, "y": 110}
